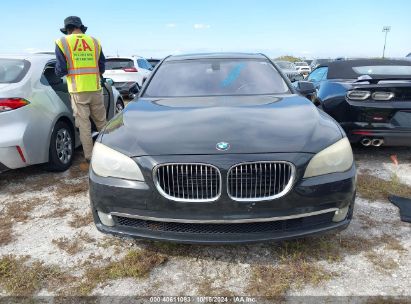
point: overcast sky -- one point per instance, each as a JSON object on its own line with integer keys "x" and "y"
{"x": 156, "y": 28}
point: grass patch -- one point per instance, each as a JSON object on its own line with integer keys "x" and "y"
{"x": 19, "y": 210}
{"x": 57, "y": 213}
{"x": 136, "y": 264}
{"x": 374, "y": 188}
{"x": 85, "y": 237}
{"x": 366, "y": 221}
{"x": 15, "y": 212}
{"x": 391, "y": 243}
{"x": 19, "y": 279}
{"x": 69, "y": 190}
{"x": 275, "y": 281}
{"x": 206, "y": 288}
{"x": 382, "y": 263}
{"x": 81, "y": 220}
{"x": 71, "y": 246}
{"x": 6, "y": 231}
{"x": 297, "y": 263}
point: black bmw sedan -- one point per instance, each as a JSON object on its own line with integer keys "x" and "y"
{"x": 220, "y": 148}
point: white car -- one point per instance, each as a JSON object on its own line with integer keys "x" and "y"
{"x": 303, "y": 67}
{"x": 123, "y": 70}
{"x": 36, "y": 119}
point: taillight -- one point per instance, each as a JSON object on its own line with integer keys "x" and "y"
{"x": 130, "y": 70}
{"x": 8, "y": 104}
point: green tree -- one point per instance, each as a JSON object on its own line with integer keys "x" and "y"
{"x": 289, "y": 58}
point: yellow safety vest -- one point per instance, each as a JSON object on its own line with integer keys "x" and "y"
{"x": 82, "y": 53}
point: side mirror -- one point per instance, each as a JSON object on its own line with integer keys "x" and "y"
{"x": 109, "y": 81}
{"x": 306, "y": 88}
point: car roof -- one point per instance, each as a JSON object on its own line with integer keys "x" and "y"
{"x": 125, "y": 57}
{"x": 215, "y": 56}
{"x": 29, "y": 56}
{"x": 343, "y": 69}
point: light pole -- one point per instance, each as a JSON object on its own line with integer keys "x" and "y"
{"x": 386, "y": 30}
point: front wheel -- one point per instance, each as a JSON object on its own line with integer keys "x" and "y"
{"x": 61, "y": 148}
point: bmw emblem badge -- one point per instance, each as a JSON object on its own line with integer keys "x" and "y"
{"x": 223, "y": 146}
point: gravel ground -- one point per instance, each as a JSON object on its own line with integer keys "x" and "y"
{"x": 51, "y": 223}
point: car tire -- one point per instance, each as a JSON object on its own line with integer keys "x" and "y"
{"x": 119, "y": 106}
{"x": 61, "y": 149}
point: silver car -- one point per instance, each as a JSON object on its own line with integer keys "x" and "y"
{"x": 36, "y": 119}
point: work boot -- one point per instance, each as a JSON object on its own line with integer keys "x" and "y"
{"x": 84, "y": 166}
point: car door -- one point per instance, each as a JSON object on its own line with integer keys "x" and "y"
{"x": 58, "y": 85}
{"x": 144, "y": 66}
{"x": 317, "y": 76}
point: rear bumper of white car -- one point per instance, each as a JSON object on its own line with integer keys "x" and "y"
{"x": 23, "y": 138}
{"x": 13, "y": 152}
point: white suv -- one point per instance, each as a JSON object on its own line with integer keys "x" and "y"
{"x": 302, "y": 68}
{"x": 126, "y": 71}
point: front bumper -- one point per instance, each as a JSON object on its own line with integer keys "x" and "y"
{"x": 138, "y": 210}
{"x": 126, "y": 88}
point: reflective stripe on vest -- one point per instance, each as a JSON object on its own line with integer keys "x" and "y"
{"x": 81, "y": 76}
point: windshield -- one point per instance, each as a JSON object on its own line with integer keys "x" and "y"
{"x": 119, "y": 64}
{"x": 216, "y": 77}
{"x": 389, "y": 70}
{"x": 13, "y": 70}
{"x": 285, "y": 65}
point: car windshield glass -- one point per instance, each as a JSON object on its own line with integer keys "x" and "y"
{"x": 13, "y": 70}
{"x": 285, "y": 65}
{"x": 119, "y": 64}
{"x": 216, "y": 77}
{"x": 393, "y": 70}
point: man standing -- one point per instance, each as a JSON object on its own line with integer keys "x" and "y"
{"x": 80, "y": 57}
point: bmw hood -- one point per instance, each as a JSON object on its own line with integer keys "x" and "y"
{"x": 216, "y": 125}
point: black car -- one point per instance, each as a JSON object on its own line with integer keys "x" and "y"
{"x": 370, "y": 98}
{"x": 220, "y": 148}
{"x": 317, "y": 62}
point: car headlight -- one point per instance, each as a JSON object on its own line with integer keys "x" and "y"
{"x": 336, "y": 158}
{"x": 107, "y": 162}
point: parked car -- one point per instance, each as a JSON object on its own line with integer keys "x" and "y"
{"x": 128, "y": 73}
{"x": 220, "y": 148}
{"x": 409, "y": 55}
{"x": 290, "y": 70}
{"x": 154, "y": 61}
{"x": 309, "y": 61}
{"x": 317, "y": 62}
{"x": 36, "y": 121}
{"x": 370, "y": 98}
{"x": 303, "y": 68}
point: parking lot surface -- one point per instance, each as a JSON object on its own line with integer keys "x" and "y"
{"x": 50, "y": 246}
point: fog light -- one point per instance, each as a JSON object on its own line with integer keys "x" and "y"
{"x": 106, "y": 219}
{"x": 341, "y": 214}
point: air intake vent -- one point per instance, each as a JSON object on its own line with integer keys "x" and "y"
{"x": 260, "y": 181}
{"x": 188, "y": 182}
